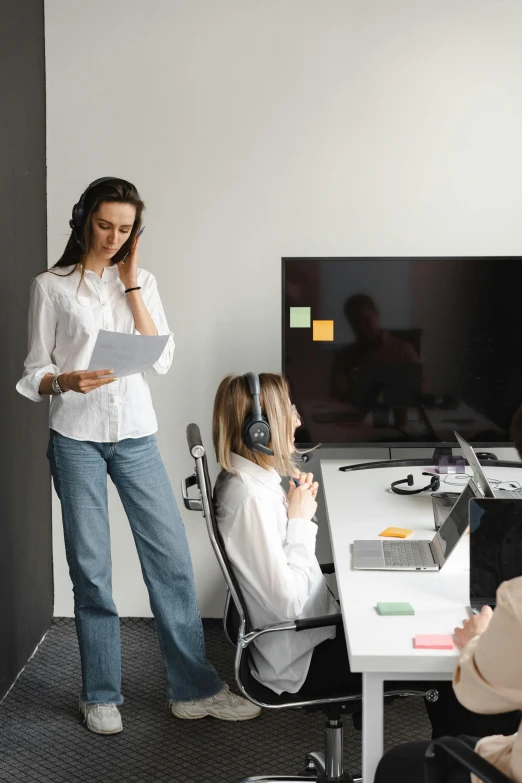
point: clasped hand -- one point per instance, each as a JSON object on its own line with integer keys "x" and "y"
{"x": 302, "y": 499}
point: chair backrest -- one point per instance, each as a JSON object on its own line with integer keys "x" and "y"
{"x": 236, "y": 619}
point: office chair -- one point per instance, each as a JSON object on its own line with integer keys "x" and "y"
{"x": 435, "y": 767}
{"x": 323, "y": 767}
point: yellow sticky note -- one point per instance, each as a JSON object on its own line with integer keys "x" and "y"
{"x": 323, "y": 331}
{"x": 396, "y": 532}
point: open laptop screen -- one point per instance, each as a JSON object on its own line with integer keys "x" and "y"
{"x": 455, "y": 525}
{"x": 495, "y": 546}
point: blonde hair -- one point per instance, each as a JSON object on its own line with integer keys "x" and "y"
{"x": 232, "y": 405}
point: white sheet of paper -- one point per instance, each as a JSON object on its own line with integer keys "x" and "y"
{"x": 126, "y": 354}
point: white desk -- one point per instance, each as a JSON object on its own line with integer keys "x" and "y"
{"x": 360, "y": 505}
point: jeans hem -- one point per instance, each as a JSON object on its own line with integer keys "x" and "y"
{"x": 195, "y": 698}
{"x": 97, "y": 701}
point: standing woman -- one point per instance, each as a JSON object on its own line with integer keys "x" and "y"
{"x": 103, "y": 425}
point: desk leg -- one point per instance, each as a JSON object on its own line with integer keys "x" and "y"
{"x": 372, "y": 724}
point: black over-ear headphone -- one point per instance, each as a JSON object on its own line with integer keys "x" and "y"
{"x": 433, "y": 486}
{"x": 78, "y": 215}
{"x": 256, "y": 429}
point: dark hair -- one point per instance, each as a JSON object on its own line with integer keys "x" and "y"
{"x": 356, "y": 302}
{"x": 116, "y": 191}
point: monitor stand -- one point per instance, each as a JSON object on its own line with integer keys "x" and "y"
{"x": 446, "y": 462}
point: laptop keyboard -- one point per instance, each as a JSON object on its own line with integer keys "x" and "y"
{"x": 398, "y": 554}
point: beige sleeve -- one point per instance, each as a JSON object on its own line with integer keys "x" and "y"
{"x": 488, "y": 677}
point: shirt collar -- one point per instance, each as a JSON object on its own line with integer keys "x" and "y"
{"x": 269, "y": 477}
{"x": 109, "y": 273}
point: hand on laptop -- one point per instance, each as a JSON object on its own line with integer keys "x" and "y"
{"x": 473, "y": 627}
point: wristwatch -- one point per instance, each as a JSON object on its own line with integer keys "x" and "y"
{"x": 56, "y": 386}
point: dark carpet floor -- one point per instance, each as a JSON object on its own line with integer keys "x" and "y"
{"x": 42, "y": 737}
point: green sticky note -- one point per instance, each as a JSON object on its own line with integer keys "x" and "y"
{"x": 300, "y": 317}
{"x": 391, "y": 608}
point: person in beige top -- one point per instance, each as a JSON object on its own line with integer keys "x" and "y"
{"x": 488, "y": 677}
{"x": 487, "y": 680}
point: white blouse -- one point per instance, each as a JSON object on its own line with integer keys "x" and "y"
{"x": 63, "y": 324}
{"x": 276, "y": 568}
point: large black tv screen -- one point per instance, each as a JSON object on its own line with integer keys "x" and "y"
{"x": 403, "y": 350}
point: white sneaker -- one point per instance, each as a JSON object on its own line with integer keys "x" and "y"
{"x": 102, "y": 718}
{"x": 225, "y": 705}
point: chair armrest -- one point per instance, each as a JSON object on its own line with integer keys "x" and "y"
{"x": 194, "y": 441}
{"x": 328, "y": 568}
{"x": 244, "y": 641}
{"x": 465, "y": 756}
{"x": 193, "y": 504}
{"x": 318, "y": 622}
{"x": 292, "y": 625}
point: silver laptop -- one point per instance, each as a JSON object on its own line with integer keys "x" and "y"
{"x": 480, "y": 477}
{"x": 418, "y": 555}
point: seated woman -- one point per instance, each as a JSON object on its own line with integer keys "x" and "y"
{"x": 270, "y": 539}
{"x": 488, "y": 679}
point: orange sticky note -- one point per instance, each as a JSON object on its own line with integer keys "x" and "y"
{"x": 323, "y": 331}
{"x": 396, "y": 532}
{"x": 432, "y": 641}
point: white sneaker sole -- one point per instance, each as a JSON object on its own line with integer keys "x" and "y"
{"x": 106, "y": 733}
{"x": 212, "y": 714}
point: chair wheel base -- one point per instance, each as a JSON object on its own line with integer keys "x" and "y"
{"x": 315, "y": 770}
{"x": 314, "y": 764}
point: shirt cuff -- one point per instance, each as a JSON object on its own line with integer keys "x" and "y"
{"x": 163, "y": 364}
{"x": 29, "y": 385}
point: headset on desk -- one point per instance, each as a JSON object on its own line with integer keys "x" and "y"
{"x": 433, "y": 486}
{"x": 454, "y": 479}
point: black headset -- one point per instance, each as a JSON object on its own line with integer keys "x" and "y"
{"x": 256, "y": 429}
{"x": 433, "y": 486}
{"x": 78, "y": 210}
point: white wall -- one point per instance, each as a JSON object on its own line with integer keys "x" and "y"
{"x": 256, "y": 130}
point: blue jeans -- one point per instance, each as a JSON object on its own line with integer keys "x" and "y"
{"x": 79, "y": 470}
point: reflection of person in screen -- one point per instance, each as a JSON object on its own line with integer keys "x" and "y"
{"x": 373, "y": 345}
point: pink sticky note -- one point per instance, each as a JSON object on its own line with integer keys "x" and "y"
{"x": 432, "y": 641}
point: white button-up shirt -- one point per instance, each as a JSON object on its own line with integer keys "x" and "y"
{"x": 63, "y": 324}
{"x": 276, "y": 568}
